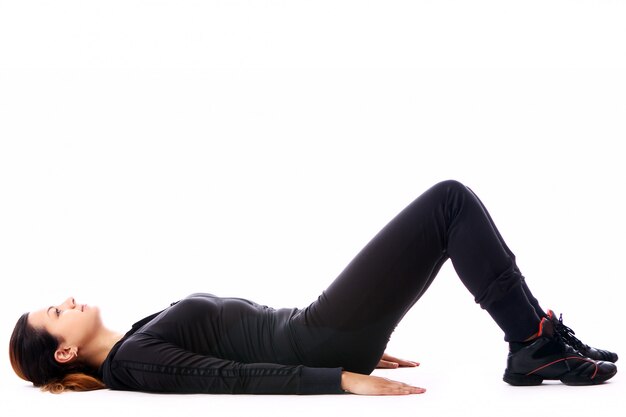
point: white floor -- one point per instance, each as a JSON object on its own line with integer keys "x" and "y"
{"x": 470, "y": 389}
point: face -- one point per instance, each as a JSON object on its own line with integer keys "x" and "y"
{"x": 73, "y": 324}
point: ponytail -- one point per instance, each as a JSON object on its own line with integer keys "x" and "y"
{"x": 74, "y": 382}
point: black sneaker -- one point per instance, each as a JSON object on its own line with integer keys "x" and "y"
{"x": 549, "y": 357}
{"x": 568, "y": 336}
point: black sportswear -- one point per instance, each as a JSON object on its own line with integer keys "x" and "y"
{"x": 210, "y": 344}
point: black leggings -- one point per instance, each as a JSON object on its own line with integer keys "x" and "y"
{"x": 351, "y": 322}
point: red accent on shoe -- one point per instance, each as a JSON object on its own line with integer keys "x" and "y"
{"x": 567, "y": 358}
{"x": 540, "y": 332}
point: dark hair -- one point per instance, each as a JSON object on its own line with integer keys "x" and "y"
{"x": 31, "y": 352}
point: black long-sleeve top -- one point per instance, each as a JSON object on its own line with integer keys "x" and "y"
{"x": 209, "y": 344}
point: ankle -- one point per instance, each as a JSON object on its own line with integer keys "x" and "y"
{"x": 515, "y": 346}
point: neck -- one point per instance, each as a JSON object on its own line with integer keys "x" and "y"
{"x": 96, "y": 352}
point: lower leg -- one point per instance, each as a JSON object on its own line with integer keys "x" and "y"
{"x": 531, "y": 298}
{"x": 487, "y": 266}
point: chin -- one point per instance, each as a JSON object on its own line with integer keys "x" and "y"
{"x": 92, "y": 310}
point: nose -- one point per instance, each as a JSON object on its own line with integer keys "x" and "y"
{"x": 70, "y": 302}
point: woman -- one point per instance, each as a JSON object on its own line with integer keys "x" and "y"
{"x": 211, "y": 344}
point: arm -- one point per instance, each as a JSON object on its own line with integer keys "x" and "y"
{"x": 149, "y": 364}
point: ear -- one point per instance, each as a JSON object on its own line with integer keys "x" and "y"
{"x": 66, "y": 354}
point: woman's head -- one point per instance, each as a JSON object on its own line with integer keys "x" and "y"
{"x": 45, "y": 347}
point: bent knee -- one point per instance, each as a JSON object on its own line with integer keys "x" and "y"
{"x": 451, "y": 185}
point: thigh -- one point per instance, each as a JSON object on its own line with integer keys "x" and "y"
{"x": 352, "y": 320}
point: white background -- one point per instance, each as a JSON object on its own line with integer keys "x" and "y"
{"x": 151, "y": 149}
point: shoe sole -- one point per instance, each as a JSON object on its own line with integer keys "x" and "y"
{"x": 524, "y": 380}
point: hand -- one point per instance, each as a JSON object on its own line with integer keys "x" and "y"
{"x": 373, "y": 385}
{"x": 389, "y": 361}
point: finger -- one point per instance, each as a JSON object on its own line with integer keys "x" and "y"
{"x": 390, "y": 385}
{"x": 410, "y": 389}
{"x": 398, "y": 360}
{"x": 387, "y": 364}
{"x": 404, "y": 362}
{"x": 401, "y": 362}
{"x": 404, "y": 389}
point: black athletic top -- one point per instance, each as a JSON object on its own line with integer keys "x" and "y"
{"x": 221, "y": 345}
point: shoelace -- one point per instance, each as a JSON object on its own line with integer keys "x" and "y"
{"x": 568, "y": 335}
{"x": 563, "y": 343}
